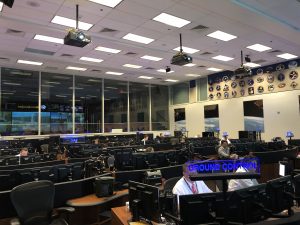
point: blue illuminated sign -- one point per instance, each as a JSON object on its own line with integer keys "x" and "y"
{"x": 217, "y": 166}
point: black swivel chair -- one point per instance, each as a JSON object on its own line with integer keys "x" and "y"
{"x": 34, "y": 204}
{"x": 170, "y": 183}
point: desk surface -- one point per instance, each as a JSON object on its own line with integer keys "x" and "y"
{"x": 93, "y": 200}
{"x": 121, "y": 216}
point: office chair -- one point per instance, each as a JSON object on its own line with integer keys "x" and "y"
{"x": 34, "y": 204}
{"x": 170, "y": 183}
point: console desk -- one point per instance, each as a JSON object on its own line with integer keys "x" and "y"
{"x": 88, "y": 208}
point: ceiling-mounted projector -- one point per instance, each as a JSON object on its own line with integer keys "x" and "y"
{"x": 76, "y": 37}
{"x": 243, "y": 71}
{"x": 181, "y": 58}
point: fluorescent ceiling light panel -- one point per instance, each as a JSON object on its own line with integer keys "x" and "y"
{"x": 259, "y": 47}
{"x": 145, "y": 77}
{"x": 49, "y": 39}
{"x": 91, "y": 59}
{"x": 110, "y": 50}
{"x": 114, "y": 73}
{"x": 132, "y": 66}
{"x": 173, "y": 21}
{"x": 192, "y": 75}
{"x": 76, "y": 68}
{"x": 109, "y": 3}
{"x": 138, "y": 38}
{"x": 186, "y": 50}
{"x": 29, "y": 62}
{"x": 250, "y": 64}
{"x": 170, "y": 80}
{"x": 70, "y": 23}
{"x": 1, "y": 6}
{"x": 152, "y": 58}
{"x": 222, "y": 58}
{"x": 164, "y": 71}
{"x": 220, "y": 35}
{"x": 214, "y": 69}
{"x": 287, "y": 56}
{"x": 190, "y": 65}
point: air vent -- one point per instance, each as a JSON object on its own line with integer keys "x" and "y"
{"x": 38, "y": 51}
{"x": 130, "y": 54}
{"x": 149, "y": 68}
{"x": 201, "y": 66}
{"x": 274, "y": 51}
{"x": 158, "y": 78}
{"x": 97, "y": 71}
{"x": 13, "y": 32}
{"x": 206, "y": 53}
{"x": 33, "y": 4}
{"x": 199, "y": 28}
{"x": 51, "y": 68}
{"x": 67, "y": 55}
{"x": 4, "y": 59}
{"x": 107, "y": 30}
{"x": 259, "y": 61}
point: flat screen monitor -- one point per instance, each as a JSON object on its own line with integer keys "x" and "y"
{"x": 244, "y": 204}
{"x": 198, "y": 208}
{"x": 144, "y": 201}
{"x": 277, "y": 191}
{"x": 177, "y": 133}
{"x": 208, "y": 134}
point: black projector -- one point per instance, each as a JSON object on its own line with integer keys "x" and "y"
{"x": 77, "y": 38}
{"x": 181, "y": 59}
{"x": 243, "y": 71}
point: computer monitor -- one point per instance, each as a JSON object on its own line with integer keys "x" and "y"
{"x": 246, "y": 205}
{"x": 278, "y": 194}
{"x": 144, "y": 201}
{"x": 177, "y": 133}
{"x": 198, "y": 208}
{"x": 208, "y": 134}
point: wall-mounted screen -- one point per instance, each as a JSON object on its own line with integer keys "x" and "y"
{"x": 254, "y": 115}
{"x": 211, "y": 118}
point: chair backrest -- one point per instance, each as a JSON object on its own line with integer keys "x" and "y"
{"x": 170, "y": 183}
{"x": 33, "y": 202}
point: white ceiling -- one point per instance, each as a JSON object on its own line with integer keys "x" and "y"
{"x": 269, "y": 22}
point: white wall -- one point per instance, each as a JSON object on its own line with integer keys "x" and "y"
{"x": 281, "y": 113}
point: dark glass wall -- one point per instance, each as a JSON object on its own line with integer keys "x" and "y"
{"x": 19, "y": 102}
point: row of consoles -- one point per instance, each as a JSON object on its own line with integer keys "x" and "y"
{"x": 244, "y": 206}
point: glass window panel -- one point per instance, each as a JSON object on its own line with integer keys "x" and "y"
{"x": 180, "y": 93}
{"x": 56, "y": 107}
{"x": 19, "y": 102}
{"x": 139, "y": 106}
{"x": 115, "y": 105}
{"x": 160, "y": 107}
{"x": 88, "y": 104}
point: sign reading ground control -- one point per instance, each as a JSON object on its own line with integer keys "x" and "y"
{"x": 221, "y": 166}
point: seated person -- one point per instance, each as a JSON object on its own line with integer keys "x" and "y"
{"x": 145, "y": 139}
{"x": 23, "y": 152}
{"x": 186, "y": 187}
{"x": 224, "y": 151}
{"x": 157, "y": 139}
{"x": 236, "y": 184}
{"x": 225, "y": 137}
